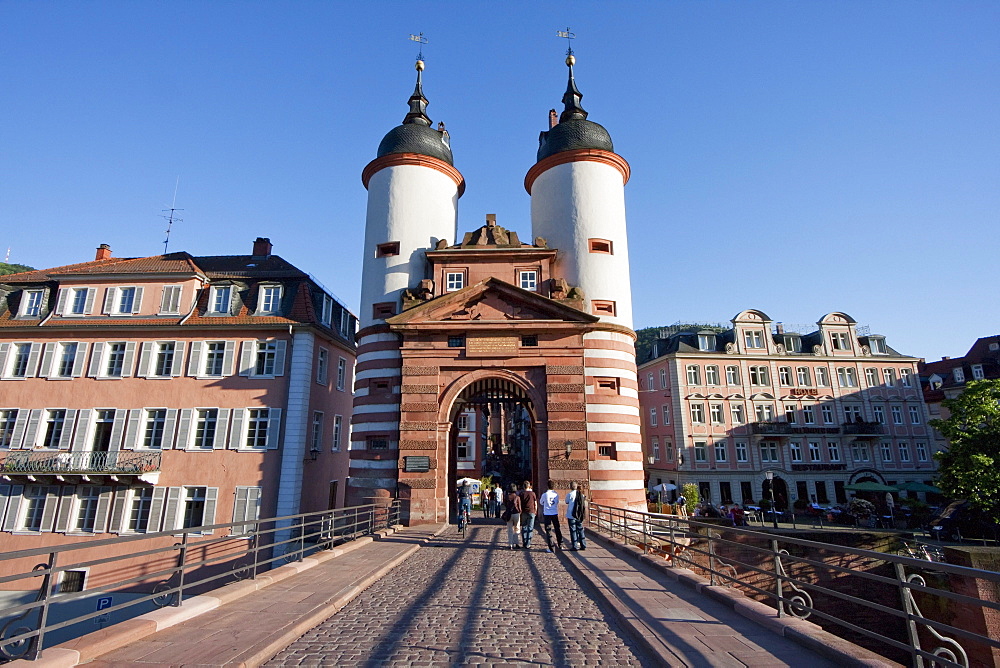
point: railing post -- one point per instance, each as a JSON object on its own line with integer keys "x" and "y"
{"x": 911, "y": 625}
{"x": 777, "y": 576}
{"x": 646, "y": 535}
{"x": 256, "y": 549}
{"x": 43, "y": 616}
{"x": 181, "y": 558}
{"x": 673, "y": 543}
{"x": 302, "y": 537}
{"x": 711, "y": 558}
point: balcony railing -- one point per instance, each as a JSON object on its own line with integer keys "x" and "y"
{"x": 771, "y": 428}
{"x": 868, "y": 428}
{"x": 123, "y": 461}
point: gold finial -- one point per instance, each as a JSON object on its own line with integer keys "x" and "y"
{"x": 571, "y": 60}
{"x": 420, "y": 66}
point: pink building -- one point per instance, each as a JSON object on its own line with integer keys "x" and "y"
{"x": 155, "y": 393}
{"x": 820, "y": 408}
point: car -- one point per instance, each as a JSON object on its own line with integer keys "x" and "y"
{"x": 960, "y": 519}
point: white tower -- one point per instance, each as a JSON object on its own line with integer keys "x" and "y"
{"x": 577, "y": 190}
{"x": 413, "y": 192}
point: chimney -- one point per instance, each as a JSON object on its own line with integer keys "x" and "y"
{"x": 945, "y": 359}
{"x": 553, "y": 119}
{"x": 103, "y": 252}
{"x": 779, "y": 327}
{"x": 262, "y": 247}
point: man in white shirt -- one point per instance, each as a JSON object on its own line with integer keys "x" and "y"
{"x": 549, "y": 502}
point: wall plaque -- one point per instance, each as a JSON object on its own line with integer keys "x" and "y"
{"x": 418, "y": 464}
{"x": 491, "y": 346}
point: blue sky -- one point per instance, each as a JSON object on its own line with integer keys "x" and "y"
{"x": 796, "y": 157}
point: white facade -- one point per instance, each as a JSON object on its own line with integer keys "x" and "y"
{"x": 414, "y": 206}
{"x": 573, "y": 205}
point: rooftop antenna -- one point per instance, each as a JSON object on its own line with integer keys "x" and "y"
{"x": 568, "y": 36}
{"x": 172, "y": 217}
{"x": 6, "y": 258}
{"x": 421, "y": 40}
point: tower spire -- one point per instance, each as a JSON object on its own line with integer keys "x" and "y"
{"x": 418, "y": 103}
{"x": 571, "y": 98}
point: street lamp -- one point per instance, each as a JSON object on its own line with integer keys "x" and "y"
{"x": 770, "y": 484}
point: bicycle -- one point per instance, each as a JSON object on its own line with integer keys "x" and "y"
{"x": 463, "y": 520}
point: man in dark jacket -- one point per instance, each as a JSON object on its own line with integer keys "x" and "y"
{"x": 529, "y": 508}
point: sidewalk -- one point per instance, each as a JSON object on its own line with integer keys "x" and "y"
{"x": 246, "y": 630}
{"x": 686, "y": 626}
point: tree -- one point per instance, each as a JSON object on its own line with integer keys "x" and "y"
{"x": 690, "y": 491}
{"x": 970, "y": 467}
{"x": 6, "y": 268}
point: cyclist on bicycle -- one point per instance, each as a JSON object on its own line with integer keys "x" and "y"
{"x": 464, "y": 502}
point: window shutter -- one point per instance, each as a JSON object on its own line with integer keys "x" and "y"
{"x": 211, "y": 499}
{"x": 118, "y": 510}
{"x": 170, "y": 513}
{"x": 117, "y": 427}
{"x": 91, "y": 295}
{"x": 132, "y": 428}
{"x": 109, "y": 300}
{"x": 227, "y": 360}
{"x": 80, "y": 359}
{"x": 166, "y": 299}
{"x": 20, "y": 422}
{"x": 46, "y": 368}
{"x": 13, "y": 507}
{"x": 194, "y": 362}
{"x": 221, "y": 422}
{"x": 82, "y": 427}
{"x": 66, "y": 437}
{"x": 184, "y": 432}
{"x": 247, "y": 357}
{"x": 31, "y": 432}
{"x": 236, "y": 437}
{"x": 240, "y": 511}
{"x": 273, "y": 428}
{"x": 144, "y": 362}
{"x": 129, "y": 360}
{"x": 4, "y": 350}
{"x": 177, "y": 369}
{"x": 103, "y": 506}
{"x": 33, "y": 356}
{"x": 279, "y": 358}
{"x": 137, "y": 302}
{"x": 253, "y": 504}
{"x": 169, "y": 425}
{"x": 96, "y": 360}
{"x": 65, "y": 508}
{"x": 61, "y": 300}
{"x": 156, "y": 509}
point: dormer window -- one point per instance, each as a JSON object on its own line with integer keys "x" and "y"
{"x": 839, "y": 341}
{"x": 977, "y": 372}
{"x": 31, "y": 303}
{"x": 706, "y": 342}
{"x": 958, "y": 374}
{"x": 269, "y": 302}
{"x": 754, "y": 338}
{"x": 528, "y": 280}
{"x": 75, "y": 301}
{"x": 170, "y": 301}
{"x": 454, "y": 280}
{"x": 122, "y": 301}
{"x": 877, "y": 345}
{"x": 326, "y": 314}
{"x": 222, "y": 299}
{"x": 793, "y": 344}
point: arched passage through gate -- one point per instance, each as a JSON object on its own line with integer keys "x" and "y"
{"x": 493, "y": 433}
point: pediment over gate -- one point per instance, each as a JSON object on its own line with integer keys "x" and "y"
{"x": 491, "y": 300}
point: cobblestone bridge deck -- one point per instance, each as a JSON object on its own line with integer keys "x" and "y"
{"x": 454, "y": 601}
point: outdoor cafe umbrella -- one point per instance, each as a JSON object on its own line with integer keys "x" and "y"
{"x": 915, "y": 486}
{"x": 664, "y": 487}
{"x": 870, "y": 486}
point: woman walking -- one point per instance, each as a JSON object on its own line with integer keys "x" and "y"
{"x": 512, "y": 516}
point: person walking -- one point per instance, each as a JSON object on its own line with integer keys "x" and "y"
{"x": 529, "y": 508}
{"x": 550, "y": 518}
{"x": 576, "y": 512}
{"x": 512, "y": 516}
{"x": 497, "y": 500}
{"x": 682, "y": 508}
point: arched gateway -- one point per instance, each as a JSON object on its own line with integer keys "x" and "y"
{"x": 492, "y": 355}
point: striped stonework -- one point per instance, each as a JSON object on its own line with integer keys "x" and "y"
{"x": 614, "y": 441}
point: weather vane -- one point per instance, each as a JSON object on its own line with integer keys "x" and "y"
{"x": 565, "y": 34}
{"x": 421, "y": 40}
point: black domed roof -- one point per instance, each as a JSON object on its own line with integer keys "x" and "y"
{"x": 420, "y": 139}
{"x": 573, "y": 134}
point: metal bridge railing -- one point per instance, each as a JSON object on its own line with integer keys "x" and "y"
{"x": 789, "y": 573}
{"x": 191, "y": 562}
